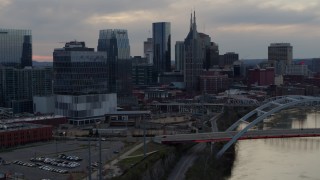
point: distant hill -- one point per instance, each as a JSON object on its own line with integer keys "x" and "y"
{"x": 252, "y": 62}
{"x": 41, "y": 64}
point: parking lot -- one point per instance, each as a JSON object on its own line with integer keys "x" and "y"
{"x": 57, "y": 159}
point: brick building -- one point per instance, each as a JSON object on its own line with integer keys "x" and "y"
{"x": 214, "y": 83}
{"x": 261, "y": 77}
{"x": 23, "y": 133}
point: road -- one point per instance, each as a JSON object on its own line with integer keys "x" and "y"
{"x": 186, "y": 162}
{"x": 188, "y": 159}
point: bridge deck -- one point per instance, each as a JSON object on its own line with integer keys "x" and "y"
{"x": 226, "y": 136}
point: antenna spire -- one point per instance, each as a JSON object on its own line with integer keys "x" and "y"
{"x": 191, "y": 21}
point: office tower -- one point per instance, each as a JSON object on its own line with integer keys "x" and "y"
{"x": 116, "y": 43}
{"x": 297, "y": 69}
{"x": 142, "y": 72}
{"x": 42, "y": 81}
{"x": 15, "y": 47}
{"x": 124, "y": 77}
{"x": 16, "y": 89}
{"x": 205, "y": 42}
{"x": 81, "y": 84}
{"x": 179, "y": 55}
{"x": 148, "y": 50}
{"x": 161, "y": 47}
{"x": 18, "y": 86}
{"x": 212, "y": 56}
{"x": 238, "y": 69}
{"x": 279, "y": 56}
{"x": 228, "y": 59}
{"x": 315, "y": 65}
{"x": 193, "y": 57}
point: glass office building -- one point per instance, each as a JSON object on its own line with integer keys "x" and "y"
{"x": 79, "y": 70}
{"x": 161, "y": 46}
{"x": 15, "y": 47}
{"x": 81, "y": 84}
{"x": 116, "y": 43}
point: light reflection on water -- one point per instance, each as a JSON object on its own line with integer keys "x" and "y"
{"x": 283, "y": 159}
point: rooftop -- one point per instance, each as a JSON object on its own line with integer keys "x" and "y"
{"x": 19, "y": 126}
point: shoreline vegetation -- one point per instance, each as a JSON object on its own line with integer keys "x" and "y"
{"x": 207, "y": 166}
{"x": 159, "y": 165}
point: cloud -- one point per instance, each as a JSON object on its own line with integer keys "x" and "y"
{"x": 4, "y": 3}
{"x": 229, "y": 22}
{"x": 120, "y": 18}
{"x": 290, "y": 5}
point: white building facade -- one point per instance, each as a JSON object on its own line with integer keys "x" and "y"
{"x": 85, "y": 109}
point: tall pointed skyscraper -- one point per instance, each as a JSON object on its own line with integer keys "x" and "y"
{"x": 194, "y": 57}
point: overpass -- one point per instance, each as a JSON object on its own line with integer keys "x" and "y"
{"x": 227, "y": 136}
{"x": 269, "y": 107}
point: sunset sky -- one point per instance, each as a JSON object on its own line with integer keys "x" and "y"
{"x": 243, "y": 26}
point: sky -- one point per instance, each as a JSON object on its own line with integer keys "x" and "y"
{"x": 246, "y": 27}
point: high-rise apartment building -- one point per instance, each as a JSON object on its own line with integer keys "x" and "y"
{"x": 161, "y": 33}
{"x": 116, "y": 43}
{"x": 15, "y": 47}
{"x": 81, "y": 84}
{"x": 194, "y": 57}
{"x": 148, "y": 50}
{"x": 179, "y": 55}
{"x": 280, "y": 52}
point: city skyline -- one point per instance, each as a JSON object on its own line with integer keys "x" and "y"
{"x": 247, "y": 28}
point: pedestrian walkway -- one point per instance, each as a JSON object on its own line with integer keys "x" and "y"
{"x": 112, "y": 167}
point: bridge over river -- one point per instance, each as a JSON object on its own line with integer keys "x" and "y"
{"x": 227, "y": 136}
{"x": 265, "y": 110}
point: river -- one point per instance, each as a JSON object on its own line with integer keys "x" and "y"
{"x": 280, "y": 159}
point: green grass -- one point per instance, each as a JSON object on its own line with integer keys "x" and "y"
{"x": 141, "y": 166}
{"x": 151, "y": 146}
{"x": 129, "y": 162}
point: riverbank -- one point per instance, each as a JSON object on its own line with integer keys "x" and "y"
{"x": 207, "y": 166}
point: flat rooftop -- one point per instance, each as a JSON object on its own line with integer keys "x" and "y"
{"x": 19, "y": 126}
{"x": 129, "y": 113}
{"x": 26, "y": 119}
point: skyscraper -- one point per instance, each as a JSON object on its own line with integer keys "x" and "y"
{"x": 15, "y": 47}
{"x": 81, "y": 84}
{"x": 194, "y": 57}
{"x": 148, "y": 50}
{"x": 228, "y": 59}
{"x": 179, "y": 55}
{"x": 116, "y": 43}
{"x": 161, "y": 46}
{"x": 16, "y": 89}
{"x": 18, "y": 86}
{"x": 279, "y": 56}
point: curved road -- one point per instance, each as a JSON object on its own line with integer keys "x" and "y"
{"x": 186, "y": 162}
